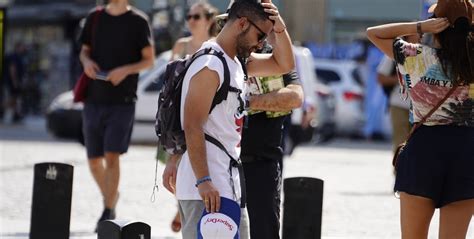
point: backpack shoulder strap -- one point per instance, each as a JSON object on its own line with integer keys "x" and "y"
{"x": 223, "y": 91}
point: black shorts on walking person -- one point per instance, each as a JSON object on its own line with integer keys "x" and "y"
{"x": 107, "y": 128}
{"x": 438, "y": 163}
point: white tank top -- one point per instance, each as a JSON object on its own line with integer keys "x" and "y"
{"x": 224, "y": 124}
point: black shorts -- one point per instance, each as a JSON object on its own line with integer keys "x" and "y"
{"x": 107, "y": 128}
{"x": 438, "y": 163}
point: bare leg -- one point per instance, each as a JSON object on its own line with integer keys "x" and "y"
{"x": 112, "y": 177}
{"x": 415, "y": 216}
{"x": 455, "y": 218}
{"x": 96, "y": 165}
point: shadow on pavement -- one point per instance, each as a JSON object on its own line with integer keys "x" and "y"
{"x": 361, "y": 144}
{"x": 27, "y": 234}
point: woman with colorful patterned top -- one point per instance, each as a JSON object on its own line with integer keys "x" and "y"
{"x": 436, "y": 167}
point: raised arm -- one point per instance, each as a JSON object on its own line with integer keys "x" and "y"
{"x": 382, "y": 36}
{"x": 281, "y": 61}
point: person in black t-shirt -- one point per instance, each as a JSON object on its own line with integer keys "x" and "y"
{"x": 262, "y": 153}
{"x": 116, "y": 45}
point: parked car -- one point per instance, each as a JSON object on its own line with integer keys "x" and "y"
{"x": 64, "y": 120}
{"x": 343, "y": 77}
{"x": 315, "y": 120}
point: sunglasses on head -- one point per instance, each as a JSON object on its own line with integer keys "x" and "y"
{"x": 193, "y": 16}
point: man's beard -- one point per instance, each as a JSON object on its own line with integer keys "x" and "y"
{"x": 243, "y": 48}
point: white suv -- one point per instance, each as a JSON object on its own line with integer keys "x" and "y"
{"x": 344, "y": 79}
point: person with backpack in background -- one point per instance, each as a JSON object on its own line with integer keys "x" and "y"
{"x": 213, "y": 132}
{"x": 271, "y": 100}
{"x": 201, "y": 23}
{"x": 435, "y": 167}
{"x": 262, "y": 151}
{"x": 122, "y": 45}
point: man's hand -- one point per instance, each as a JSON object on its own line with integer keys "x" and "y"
{"x": 210, "y": 196}
{"x": 91, "y": 68}
{"x": 169, "y": 174}
{"x": 271, "y": 9}
{"x": 117, "y": 75}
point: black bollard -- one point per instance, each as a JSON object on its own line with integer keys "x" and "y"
{"x": 120, "y": 229}
{"x": 51, "y": 207}
{"x": 302, "y": 208}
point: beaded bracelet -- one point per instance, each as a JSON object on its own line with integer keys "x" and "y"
{"x": 202, "y": 180}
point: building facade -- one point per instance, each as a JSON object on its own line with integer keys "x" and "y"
{"x": 50, "y": 29}
{"x": 343, "y": 21}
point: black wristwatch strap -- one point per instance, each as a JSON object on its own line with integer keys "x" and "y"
{"x": 418, "y": 29}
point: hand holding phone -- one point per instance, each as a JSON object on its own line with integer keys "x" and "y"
{"x": 101, "y": 75}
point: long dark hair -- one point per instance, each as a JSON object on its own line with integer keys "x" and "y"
{"x": 457, "y": 52}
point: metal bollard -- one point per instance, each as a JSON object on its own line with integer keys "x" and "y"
{"x": 121, "y": 229}
{"x": 51, "y": 206}
{"x": 302, "y": 208}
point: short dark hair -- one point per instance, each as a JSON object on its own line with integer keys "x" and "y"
{"x": 248, "y": 8}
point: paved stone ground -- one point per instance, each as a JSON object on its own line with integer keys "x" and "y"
{"x": 358, "y": 202}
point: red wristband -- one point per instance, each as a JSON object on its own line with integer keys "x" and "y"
{"x": 278, "y": 32}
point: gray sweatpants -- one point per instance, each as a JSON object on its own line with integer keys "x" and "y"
{"x": 191, "y": 211}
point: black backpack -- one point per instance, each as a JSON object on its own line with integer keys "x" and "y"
{"x": 168, "y": 120}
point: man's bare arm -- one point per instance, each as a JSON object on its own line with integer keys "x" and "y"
{"x": 284, "y": 99}
{"x": 90, "y": 66}
{"x": 281, "y": 61}
{"x": 202, "y": 88}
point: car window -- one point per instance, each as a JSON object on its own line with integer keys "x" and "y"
{"x": 357, "y": 77}
{"x": 327, "y": 76}
{"x": 156, "y": 85}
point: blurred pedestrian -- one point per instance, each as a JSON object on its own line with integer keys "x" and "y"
{"x": 435, "y": 169}
{"x": 202, "y": 25}
{"x": 14, "y": 76}
{"x": 262, "y": 150}
{"x": 271, "y": 100}
{"x": 32, "y": 86}
{"x": 122, "y": 46}
{"x": 203, "y": 175}
{"x": 375, "y": 102}
{"x": 399, "y": 106}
